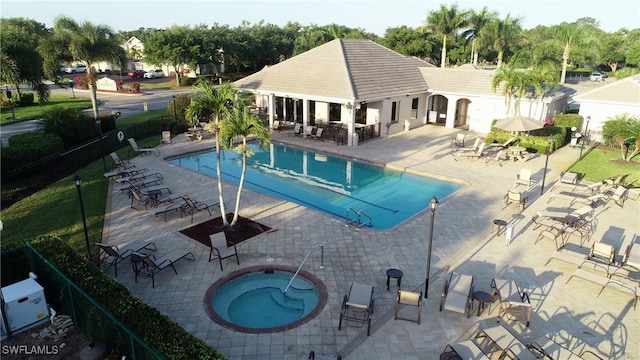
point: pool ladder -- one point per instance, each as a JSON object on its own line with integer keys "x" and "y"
{"x": 303, "y": 261}
{"x": 358, "y": 220}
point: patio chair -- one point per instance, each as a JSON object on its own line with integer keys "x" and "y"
{"x": 276, "y": 125}
{"x": 309, "y": 131}
{"x": 458, "y": 140}
{"x": 297, "y": 129}
{"x": 473, "y": 148}
{"x": 524, "y": 178}
{"x": 579, "y": 198}
{"x": 143, "y": 150}
{"x": 605, "y": 281}
{"x": 121, "y": 164}
{"x": 545, "y": 348}
{"x": 603, "y": 252}
{"x": 408, "y": 298}
{"x": 126, "y": 185}
{"x": 631, "y": 257}
{"x": 192, "y": 206}
{"x": 500, "y": 156}
{"x": 220, "y": 249}
{"x": 470, "y": 154}
{"x": 619, "y": 195}
{"x": 166, "y": 209}
{"x": 166, "y": 138}
{"x": 457, "y": 294}
{"x": 357, "y": 306}
{"x": 579, "y": 188}
{"x": 463, "y": 350}
{"x": 516, "y": 198}
{"x": 111, "y": 255}
{"x": 511, "y": 299}
{"x": 149, "y": 265}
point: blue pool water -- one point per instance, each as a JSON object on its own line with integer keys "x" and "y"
{"x": 327, "y": 183}
{"x": 257, "y": 301}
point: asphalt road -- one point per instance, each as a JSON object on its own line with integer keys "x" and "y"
{"x": 127, "y": 105}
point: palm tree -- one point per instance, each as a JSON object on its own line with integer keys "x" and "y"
{"x": 242, "y": 124}
{"x": 504, "y": 33}
{"x": 211, "y": 103}
{"x": 87, "y": 43}
{"x": 511, "y": 81}
{"x": 446, "y": 22}
{"x": 569, "y": 33}
{"x": 477, "y": 22}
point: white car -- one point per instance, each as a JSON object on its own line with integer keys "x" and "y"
{"x": 597, "y": 76}
{"x": 77, "y": 68}
{"x": 154, "y": 73}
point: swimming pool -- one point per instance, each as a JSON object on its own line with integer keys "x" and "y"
{"x": 336, "y": 186}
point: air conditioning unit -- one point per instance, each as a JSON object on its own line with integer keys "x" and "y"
{"x": 24, "y": 306}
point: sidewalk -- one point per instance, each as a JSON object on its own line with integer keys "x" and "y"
{"x": 462, "y": 241}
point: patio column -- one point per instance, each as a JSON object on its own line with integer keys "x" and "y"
{"x": 351, "y": 113}
{"x": 272, "y": 109}
{"x": 451, "y": 112}
{"x": 305, "y": 114}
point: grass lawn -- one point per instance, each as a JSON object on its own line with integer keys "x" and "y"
{"x": 142, "y": 117}
{"x": 35, "y": 111}
{"x": 599, "y": 164}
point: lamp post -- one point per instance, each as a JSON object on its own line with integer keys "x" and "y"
{"x": 433, "y": 205}
{"x": 546, "y": 163}
{"x": 175, "y": 114}
{"x": 78, "y": 181}
{"x": 586, "y": 129}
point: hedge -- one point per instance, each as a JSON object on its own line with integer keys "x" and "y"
{"x": 156, "y": 329}
{"x": 27, "y": 148}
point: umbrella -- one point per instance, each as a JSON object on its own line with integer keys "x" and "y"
{"x": 518, "y": 123}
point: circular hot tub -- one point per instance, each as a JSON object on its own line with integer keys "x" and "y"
{"x": 254, "y": 299}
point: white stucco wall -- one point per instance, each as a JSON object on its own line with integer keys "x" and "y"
{"x": 601, "y": 112}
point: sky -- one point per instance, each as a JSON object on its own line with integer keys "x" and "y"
{"x": 373, "y": 16}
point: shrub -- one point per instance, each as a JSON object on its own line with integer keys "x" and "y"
{"x": 81, "y": 82}
{"x": 187, "y": 81}
{"x": 26, "y": 99}
{"x": 135, "y": 87}
{"x": 26, "y": 148}
{"x": 72, "y": 125}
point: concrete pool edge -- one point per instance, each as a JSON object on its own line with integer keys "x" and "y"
{"x": 208, "y": 298}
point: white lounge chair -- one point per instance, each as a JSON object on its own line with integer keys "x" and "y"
{"x": 457, "y": 294}
{"x": 511, "y": 298}
{"x": 470, "y": 154}
{"x": 143, "y": 150}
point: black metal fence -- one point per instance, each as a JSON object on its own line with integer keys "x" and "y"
{"x": 35, "y": 176}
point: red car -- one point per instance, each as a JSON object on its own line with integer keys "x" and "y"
{"x": 136, "y": 74}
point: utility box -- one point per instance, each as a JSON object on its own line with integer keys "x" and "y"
{"x": 24, "y": 305}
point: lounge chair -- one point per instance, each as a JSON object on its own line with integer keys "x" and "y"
{"x": 546, "y": 348}
{"x": 149, "y": 265}
{"x": 357, "y": 306}
{"x": 408, "y": 298}
{"x": 578, "y": 198}
{"x": 166, "y": 209}
{"x": 619, "y": 194}
{"x": 143, "y": 150}
{"x": 569, "y": 216}
{"x": 457, "y": 294}
{"x": 276, "y": 125}
{"x": 297, "y": 129}
{"x": 127, "y": 184}
{"x": 607, "y": 282}
{"x": 511, "y": 298}
{"x": 467, "y": 350}
{"x": 458, "y": 140}
{"x": 121, "y": 164}
{"x": 631, "y": 257}
{"x": 504, "y": 145}
{"x": 166, "y": 138}
{"x": 505, "y": 342}
{"x": 516, "y": 198}
{"x": 580, "y": 188}
{"x": 473, "y": 148}
{"x": 524, "y": 178}
{"x": 140, "y": 176}
{"x": 318, "y": 134}
{"x": 603, "y": 252}
{"x": 192, "y": 206}
{"x": 111, "y": 255}
{"x": 500, "y": 156}
{"x": 220, "y": 249}
{"x": 309, "y": 131}
{"x": 470, "y": 154}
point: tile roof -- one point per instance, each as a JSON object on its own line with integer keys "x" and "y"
{"x": 347, "y": 69}
{"x": 460, "y": 81}
{"x": 624, "y": 91}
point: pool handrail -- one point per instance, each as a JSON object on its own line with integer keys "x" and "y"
{"x": 303, "y": 261}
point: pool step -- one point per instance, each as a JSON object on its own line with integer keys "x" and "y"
{"x": 286, "y": 301}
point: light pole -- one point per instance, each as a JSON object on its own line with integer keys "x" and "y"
{"x": 78, "y": 181}
{"x": 175, "y": 114}
{"x": 586, "y": 129}
{"x": 433, "y": 205}
{"x": 546, "y": 163}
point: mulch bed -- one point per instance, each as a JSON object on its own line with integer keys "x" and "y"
{"x": 244, "y": 229}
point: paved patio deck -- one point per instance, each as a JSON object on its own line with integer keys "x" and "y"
{"x": 462, "y": 241}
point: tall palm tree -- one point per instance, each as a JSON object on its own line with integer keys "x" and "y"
{"x": 505, "y": 32}
{"x": 211, "y": 103}
{"x": 569, "y": 33}
{"x": 446, "y": 22}
{"x": 476, "y": 32}
{"x": 510, "y": 81}
{"x": 89, "y": 44}
{"x": 242, "y": 124}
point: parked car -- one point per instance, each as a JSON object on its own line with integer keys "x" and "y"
{"x": 77, "y": 68}
{"x": 597, "y": 76}
{"x": 154, "y": 73}
{"x": 136, "y": 74}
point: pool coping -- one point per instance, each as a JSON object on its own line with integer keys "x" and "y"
{"x": 213, "y": 315}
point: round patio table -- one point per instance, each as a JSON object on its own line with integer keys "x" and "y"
{"x": 395, "y": 274}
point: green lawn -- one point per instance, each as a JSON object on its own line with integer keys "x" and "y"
{"x": 139, "y": 118}
{"x": 35, "y": 111}
{"x": 597, "y": 165}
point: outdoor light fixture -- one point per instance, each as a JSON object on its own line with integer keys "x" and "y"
{"x": 546, "y": 163}
{"x": 175, "y": 114}
{"x": 78, "y": 181}
{"x": 433, "y": 205}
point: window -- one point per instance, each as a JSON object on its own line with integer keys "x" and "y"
{"x": 414, "y": 108}
{"x": 394, "y": 112}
